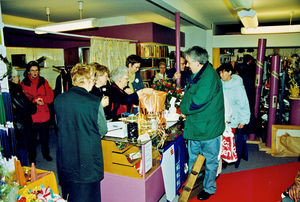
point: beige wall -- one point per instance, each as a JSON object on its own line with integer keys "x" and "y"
{"x": 54, "y": 57}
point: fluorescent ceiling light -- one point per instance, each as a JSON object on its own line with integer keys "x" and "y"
{"x": 248, "y": 18}
{"x": 271, "y": 29}
{"x": 68, "y": 26}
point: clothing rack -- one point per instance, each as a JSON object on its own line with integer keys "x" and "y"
{"x": 63, "y": 80}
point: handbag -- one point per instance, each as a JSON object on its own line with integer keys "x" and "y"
{"x": 228, "y": 148}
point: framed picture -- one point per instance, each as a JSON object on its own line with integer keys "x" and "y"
{"x": 286, "y": 140}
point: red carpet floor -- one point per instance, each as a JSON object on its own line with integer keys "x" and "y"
{"x": 256, "y": 185}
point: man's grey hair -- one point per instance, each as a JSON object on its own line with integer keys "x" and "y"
{"x": 197, "y": 53}
{"x": 118, "y": 72}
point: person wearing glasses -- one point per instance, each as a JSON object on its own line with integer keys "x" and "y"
{"x": 133, "y": 62}
{"x": 203, "y": 106}
{"x": 184, "y": 75}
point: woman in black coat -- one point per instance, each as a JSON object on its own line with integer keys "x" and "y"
{"x": 22, "y": 111}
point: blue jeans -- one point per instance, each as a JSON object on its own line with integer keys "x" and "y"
{"x": 210, "y": 150}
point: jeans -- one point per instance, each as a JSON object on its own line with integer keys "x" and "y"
{"x": 210, "y": 150}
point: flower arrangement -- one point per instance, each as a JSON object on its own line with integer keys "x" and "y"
{"x": 169, "y": 88}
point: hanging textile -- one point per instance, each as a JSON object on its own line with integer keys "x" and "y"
{"x": 7, "y": 106}
{"x": 2, "y": 111}
{"x": 8, "y": 141}
{"x": 5, "y": 142}
{"x": 110, "y": 52}
{"x": 13, "y": 141}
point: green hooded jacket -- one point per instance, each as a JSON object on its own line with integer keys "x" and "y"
{"x": 203, "y": 105}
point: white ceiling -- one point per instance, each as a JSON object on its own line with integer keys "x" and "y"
{"x": 202, "y": 13}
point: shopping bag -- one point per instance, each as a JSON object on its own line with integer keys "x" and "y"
{"x": 228, "y": 149}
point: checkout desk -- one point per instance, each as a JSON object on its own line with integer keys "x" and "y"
{"x": 126, "y": 180}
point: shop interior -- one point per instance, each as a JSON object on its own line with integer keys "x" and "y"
{"x": 155, "y": 165}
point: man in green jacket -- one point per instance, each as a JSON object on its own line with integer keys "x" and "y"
{"x": 81, "y": 124}
{"x": 203, "y": 106}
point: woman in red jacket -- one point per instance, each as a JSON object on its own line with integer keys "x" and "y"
{"x": 37, "y": 89}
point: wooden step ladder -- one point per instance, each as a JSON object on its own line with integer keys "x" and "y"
{"x": 189, "y": 185}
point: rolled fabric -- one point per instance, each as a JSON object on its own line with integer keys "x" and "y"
{"x": 259, "y": 73}
{"x": 273, "y": 97}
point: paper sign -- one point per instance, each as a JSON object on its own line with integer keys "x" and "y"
{"x": 148, "y": 156}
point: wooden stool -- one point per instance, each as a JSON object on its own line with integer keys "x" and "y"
{"x": 192, "y": 185}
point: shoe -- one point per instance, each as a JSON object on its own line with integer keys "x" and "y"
{"x": 203, "y": 195}
{"x": 48, "y": 158}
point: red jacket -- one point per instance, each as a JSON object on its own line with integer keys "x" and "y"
{"x": 38, "y": 88}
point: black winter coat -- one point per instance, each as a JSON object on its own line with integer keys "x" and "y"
{"x": 22, "y": 107}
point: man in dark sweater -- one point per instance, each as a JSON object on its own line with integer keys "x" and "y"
{"x": 81, "y": 124}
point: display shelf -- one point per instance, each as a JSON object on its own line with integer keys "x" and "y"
{"x": 152, "y": 54}
{"x": 155, "y": 50}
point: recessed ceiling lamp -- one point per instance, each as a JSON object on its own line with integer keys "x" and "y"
{"x": 272, "y": 29}
{"x": 69, "y": 25}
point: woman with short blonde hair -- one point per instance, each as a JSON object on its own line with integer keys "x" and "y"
{"x": 81, "y": 123}
{"x": 100, "y": 69}
{"x": 82, "y": 74}
{"x": 102, "y": 87}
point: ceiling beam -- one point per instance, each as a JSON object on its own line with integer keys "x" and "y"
{"x": 187, "y": 12}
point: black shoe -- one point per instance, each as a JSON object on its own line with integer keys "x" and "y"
{"x": 203, "y": 195}
{"x": 48, "y": 158}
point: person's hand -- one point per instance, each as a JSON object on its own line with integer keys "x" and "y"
{"x": 241, "y": 125}
{"x": 128, "y": 91}
{"x": 105, "y": 101}
{"x": 39, "y": 101}
{"x": 177, "y": 75}
{"x": 294, "y": 192}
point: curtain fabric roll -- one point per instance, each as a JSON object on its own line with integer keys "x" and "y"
{"x": 259, "y": 73}
{"x": 273, "y": 97}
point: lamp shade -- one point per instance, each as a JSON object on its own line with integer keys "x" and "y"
{"x": 248, "y": 18}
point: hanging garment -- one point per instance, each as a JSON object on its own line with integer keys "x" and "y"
{"x": 4, "y": 142}
{"x": 2, "y": 111}
{"x": 12, "y": 142}
{"x": 7, "y": 106}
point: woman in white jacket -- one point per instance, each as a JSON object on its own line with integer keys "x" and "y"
{"x": 235, "y": 94}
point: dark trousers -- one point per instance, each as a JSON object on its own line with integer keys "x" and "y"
{"x": 22, "y": 132}
{"x": 79, "y": 192}
{"x": 240, "y": 139}
{"x": 43, "y": 130}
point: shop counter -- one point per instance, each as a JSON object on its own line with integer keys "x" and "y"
{"x": 126, "y": 179}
